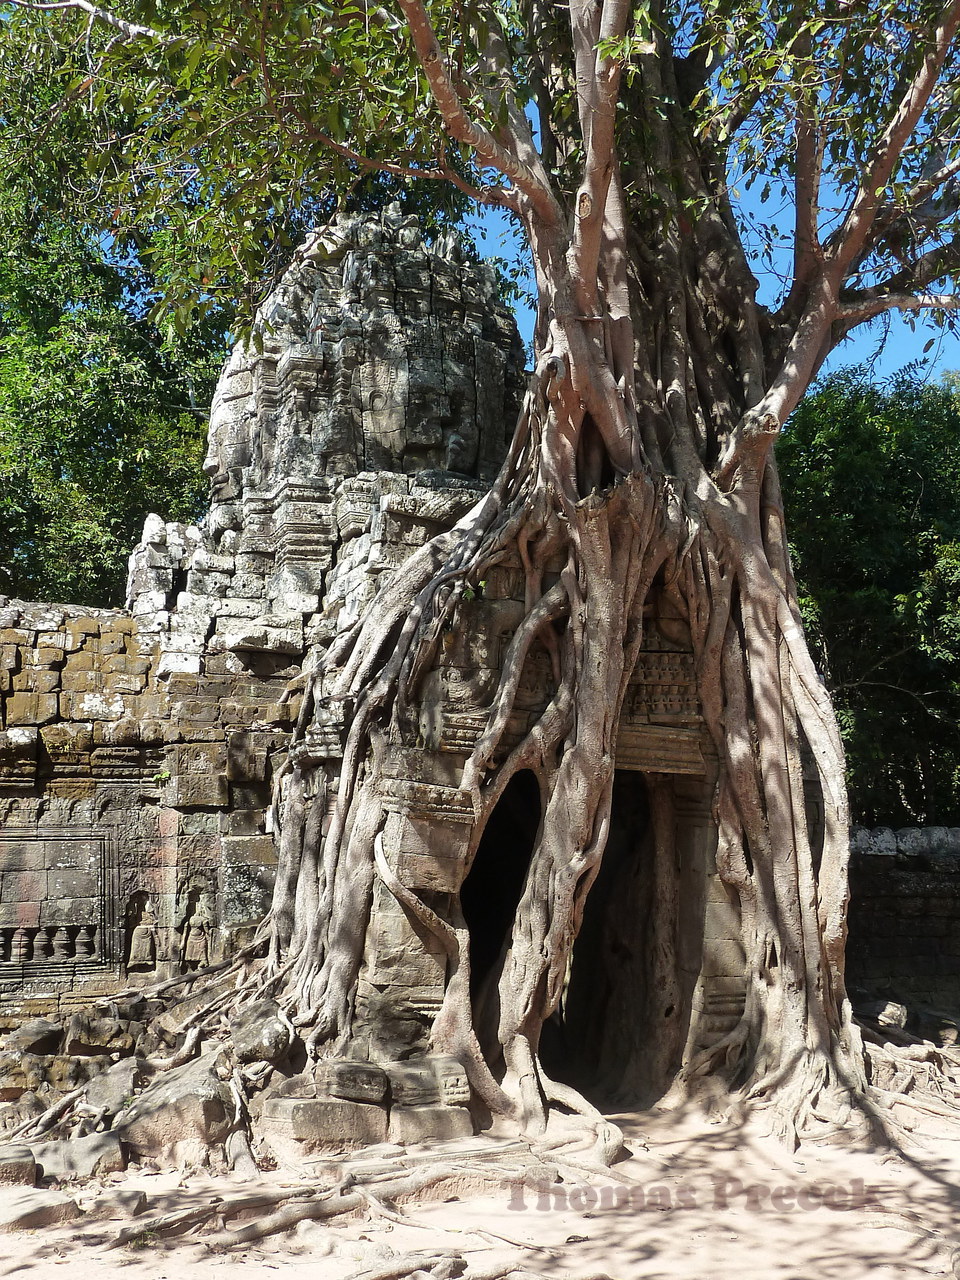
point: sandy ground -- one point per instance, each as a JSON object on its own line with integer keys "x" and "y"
{"x": 703, "y": 1200}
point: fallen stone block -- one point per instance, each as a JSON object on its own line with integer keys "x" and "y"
{"x": 14, "y": 1114}
{"x": 90, "y": 1036}
{"x": 115, "y": 1088}
{"x": 39, "y": 1035}
{"x": 26, "y": 1210}
{"x": 260, "y": 1034}
{"x": 17, "y": 1166}
{"x": 119, "y": 1202}
{"x": 423, "y": 1124}
{"x": 15, "y": 1076}
{"x": 183, "y": 1116}
{"x": 96, "y": 1154}
{"x": 328, "y": 1122}
{"x": 65, "y": 1072}
{"x": 888, "y": 1013}
{"x": 298, "y": 1086}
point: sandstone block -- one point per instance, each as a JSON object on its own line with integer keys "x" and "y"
{"x": 423, "y": 1124}
{"x": 94, "y": 1155}
{"x": 149, "y": 602}
{"x": 90, "y": 1036}
{"x": 355, "y": 1081}
{"x": 245, "y": 893}
{"x": 17, "y": 636}
{"x": 64, "y": 1072}
{"x": 247, "y": 756}
{"x": 16, "y": 1076}
{"x": 17, "y": 1166}
{"x": 256, "y": 850}
{"x": 26, "y": 1210}
{"x": 92, "y": 705}
{"x": 299, "y": 1086}
{"x": 722, "y": 957}
{"x": 85, "y": 626}
{"x": 181, "y": 1115}
{"x": 197, "y": 790}
{"x": 242, "y": 822}
{"x": 37, "y": 1035}
{"x": 117, "y": 1202}
{"x": 260, "y": 1034}
{"x": 125, "y": 664}
{"x": 36, "y": 680}
{"x": 451, "y": 1077}
{"x": 113, "y": 1090}
{"x": 413, "y": 1083}
{"x": 31, "y": 708}
{"x": 325, "y": 1121}
{"x": 177, "y": 663}
{"x": 67, "y": 738}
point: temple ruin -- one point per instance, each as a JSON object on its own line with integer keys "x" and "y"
{"x": 138, "y": 746}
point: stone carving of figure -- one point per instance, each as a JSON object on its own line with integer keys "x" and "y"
{"x": 372, "y": 359}
{"x": 143, "y": 942}
{"x": 196, "y": 935}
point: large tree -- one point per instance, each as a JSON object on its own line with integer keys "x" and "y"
{"x": 618, "y": 137}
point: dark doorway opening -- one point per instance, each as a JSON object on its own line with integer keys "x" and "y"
{"x": 491, "y": 892}
{"x": 581, "y": 1043}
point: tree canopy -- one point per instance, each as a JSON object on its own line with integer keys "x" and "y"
{"x": 101, "y": 419}
{"x": 226, "y": 127}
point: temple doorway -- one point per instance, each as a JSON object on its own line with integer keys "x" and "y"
{"x": 581, "y": 1042}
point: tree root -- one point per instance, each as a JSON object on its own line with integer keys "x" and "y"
{"x": 448, "y": 1266}
{"x": 38, "y": 1125}
{"x": 350, "y": 1196}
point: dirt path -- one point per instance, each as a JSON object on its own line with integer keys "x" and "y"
{"x": 703, "y": 1200}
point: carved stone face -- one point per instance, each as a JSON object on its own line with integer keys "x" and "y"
{"x": 372, "y": 359}
{"x": 228, "y": 437}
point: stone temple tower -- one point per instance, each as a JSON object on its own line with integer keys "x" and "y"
{"x": 371, "y": 406}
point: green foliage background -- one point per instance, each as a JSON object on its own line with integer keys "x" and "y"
{"x": 101, "y": 419}
{"x": 115, "y": 315}
{"x": 871, "y": 483}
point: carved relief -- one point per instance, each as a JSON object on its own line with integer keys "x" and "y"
{"x": 142, "y": 941}
{"x": 197, "y": 920}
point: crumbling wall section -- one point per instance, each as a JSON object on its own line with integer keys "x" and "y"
{"x": 904, "y": 940}
{"x": 132, "y": 800}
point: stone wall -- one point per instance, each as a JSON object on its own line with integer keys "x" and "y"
{"x": 904, "y": 941}
{"x": 132, "y": 799}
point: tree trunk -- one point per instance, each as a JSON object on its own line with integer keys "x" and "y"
{"x": 623, "y": 474}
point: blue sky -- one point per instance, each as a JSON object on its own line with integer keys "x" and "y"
{"x": 885, "y": 346}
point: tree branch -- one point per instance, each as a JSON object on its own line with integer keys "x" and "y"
{"x": 461, "y": 127}
{"x": 942, "y": 260}
{"x": 808, "y": 251}
{"x": 760, "y": 425}
{"x": 860, "y": 218}
{"x": 851, "y": 314}
{"x": 598, "y": 85}
{"x": 132, "y": 30}
{"x": 443, "y": 173}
